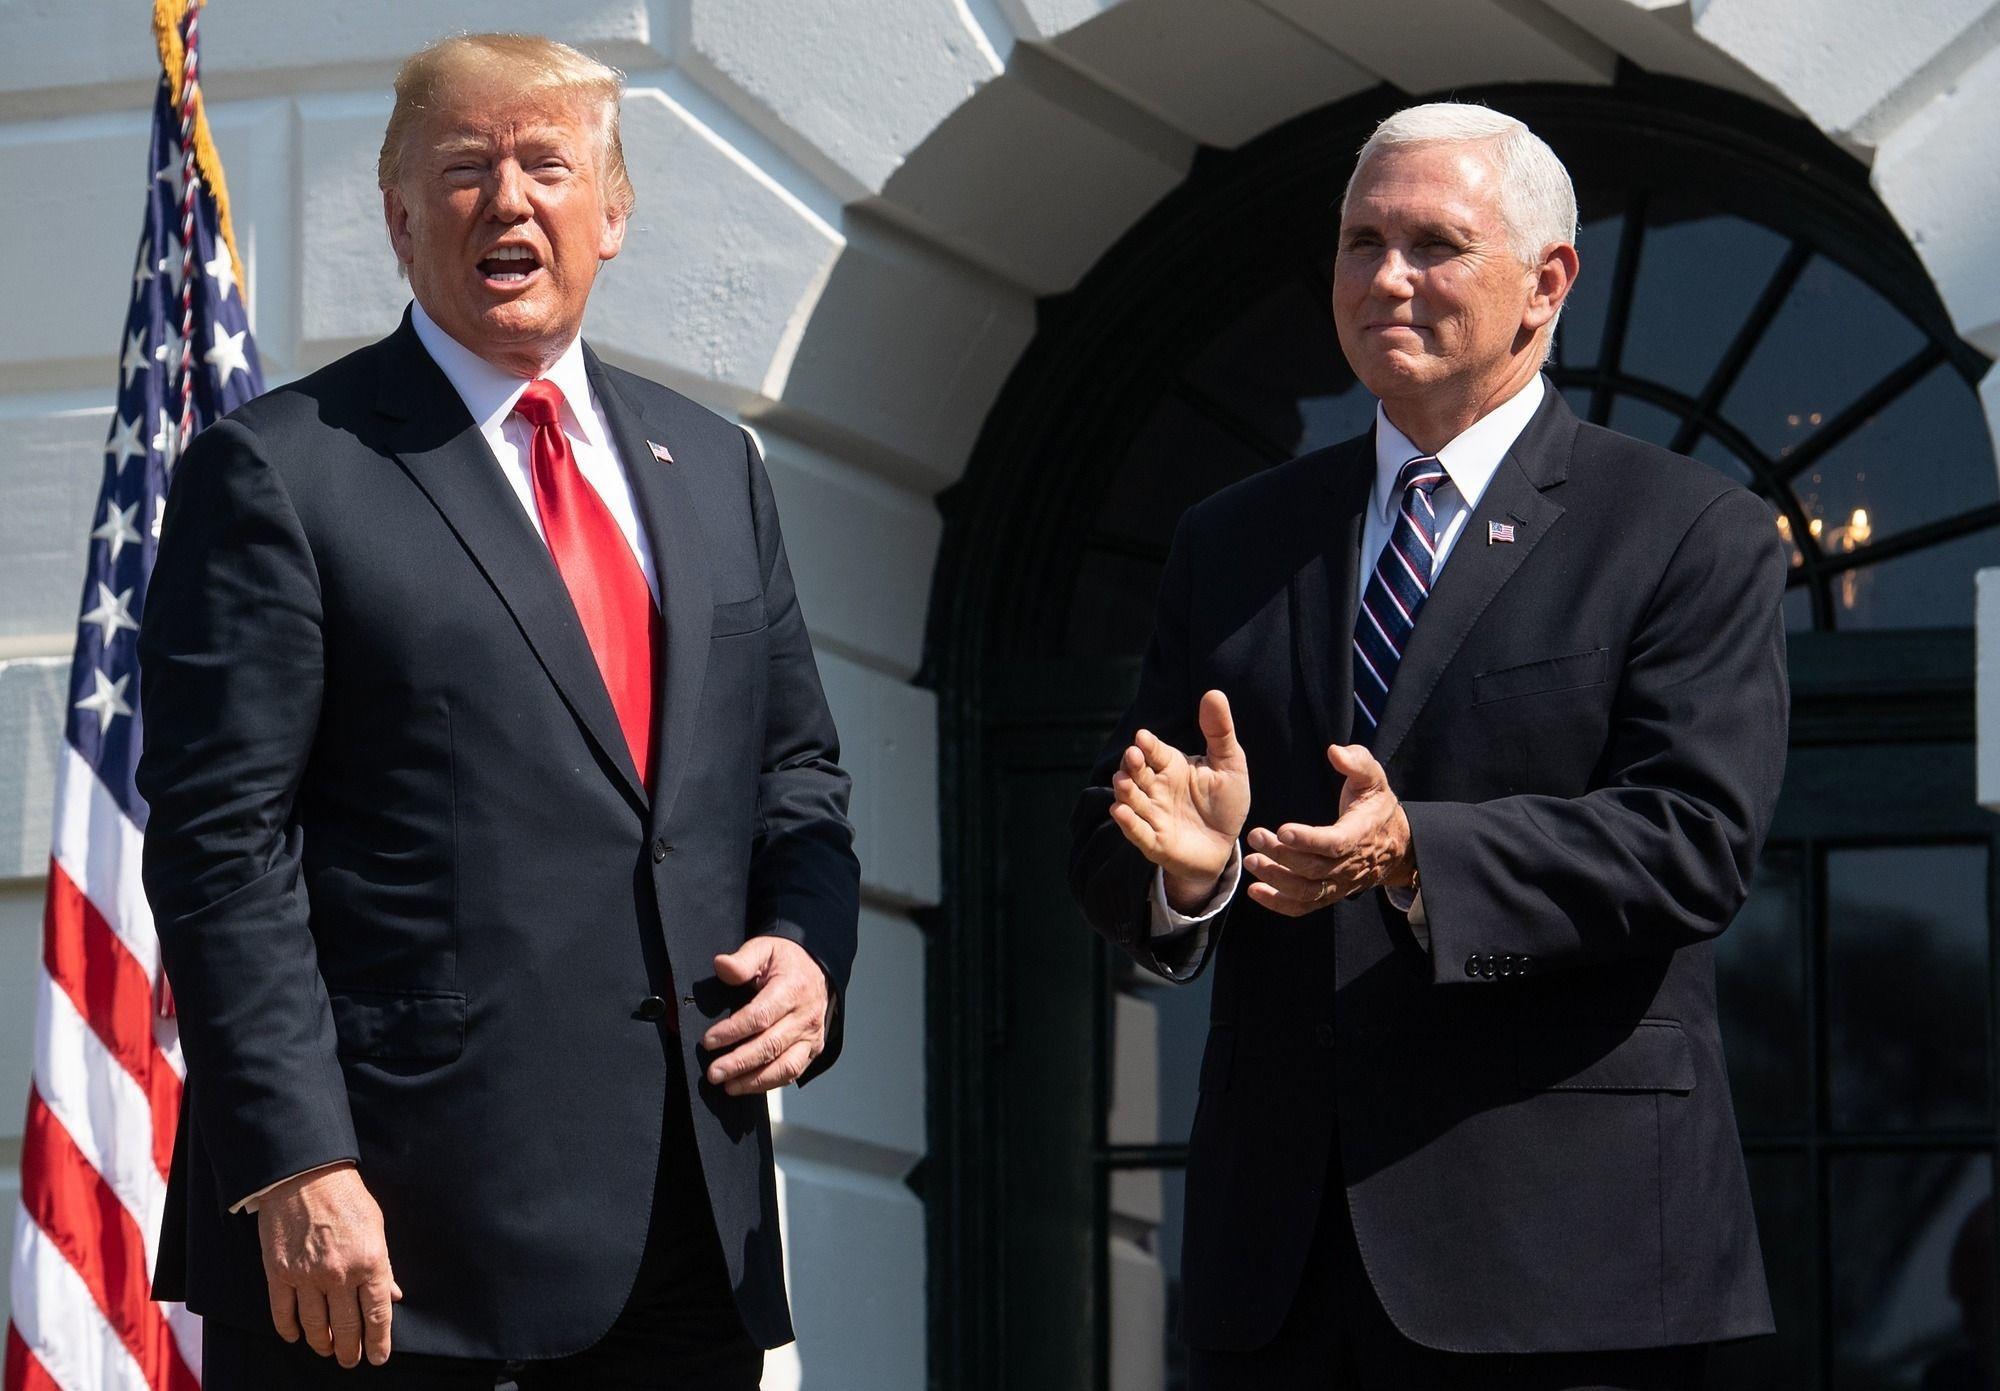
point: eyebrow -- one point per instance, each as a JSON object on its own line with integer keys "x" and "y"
{"x": 537, "y": 137}
{"x": 1448, "y": 231}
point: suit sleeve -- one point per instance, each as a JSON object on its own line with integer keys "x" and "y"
{"x": 231, "y": 674}
{"x": 1660, "y": 853}
{"x": 1110, "y": 880}
{"x": 805, "y": 883}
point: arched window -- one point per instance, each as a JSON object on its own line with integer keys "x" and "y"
{"x": 1744, "y": 299}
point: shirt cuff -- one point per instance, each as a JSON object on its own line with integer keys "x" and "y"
{"x": 1168, "y": 923}
{"x": 250, "y": 1203}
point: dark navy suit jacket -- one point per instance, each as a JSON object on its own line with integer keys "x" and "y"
{"x": 1588, "y": 732}
{"x": 411, "y": 892}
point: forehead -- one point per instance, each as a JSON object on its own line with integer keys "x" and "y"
{"x": 486, "y": 110}
{"x": 1457, "y": 183}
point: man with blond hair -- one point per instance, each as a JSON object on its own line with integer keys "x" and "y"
{"x": 498, "y": 840}
{"x": 1454, "y": 750}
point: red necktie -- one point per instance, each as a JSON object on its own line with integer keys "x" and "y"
{"x": 603, "y": 576}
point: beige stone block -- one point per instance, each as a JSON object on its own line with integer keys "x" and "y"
{"x": 888, "y": 738}
{"x": 849, "y": 88}
{"x": 862, "y": 550}
{"x": 1432, "y": 46}
{"x": 906, "y": 350}
{"x": 1223, "y": 71}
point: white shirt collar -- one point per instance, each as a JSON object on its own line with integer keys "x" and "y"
{"x": 1470, "y": 460}
{"x": 490, "y": 392}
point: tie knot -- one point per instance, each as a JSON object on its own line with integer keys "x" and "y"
{"x": 1423, "y": 472}
{"x": 540, "y": 404}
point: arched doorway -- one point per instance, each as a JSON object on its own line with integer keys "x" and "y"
{"x": 1745, "y": 300}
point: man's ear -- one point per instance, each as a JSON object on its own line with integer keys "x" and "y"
{"x": 614, "y": 233}
{"x": 1553, "y": 278}
{"x": 397, "y": 215}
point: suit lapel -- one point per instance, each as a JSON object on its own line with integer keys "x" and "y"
{"x": 441, "y": 449}
{"x": 1322, "y": 588}
{"x": 680, "y": 559}
{"x": 1477, "y": 569}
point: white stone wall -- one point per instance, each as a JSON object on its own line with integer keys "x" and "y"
{"x": 847, "y": 210}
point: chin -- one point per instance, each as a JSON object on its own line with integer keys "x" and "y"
{"x": 1393, "y": 374}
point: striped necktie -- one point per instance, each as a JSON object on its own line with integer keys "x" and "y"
{"x": 1395, "y": 594}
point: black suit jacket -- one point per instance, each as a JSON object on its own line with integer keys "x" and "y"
{"x": 409, "y": 887}
{"x": 1588, "y": 731}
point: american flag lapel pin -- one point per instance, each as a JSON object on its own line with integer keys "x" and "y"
{"x": 1498, "y": 533}
{"x": 666, "y": 456}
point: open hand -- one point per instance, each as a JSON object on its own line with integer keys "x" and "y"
{"x": 326, "y": 1265}
{"x": 772, "y": 1040}
{"x": 1301, "y": 869}
{"x": 1184, "y": 814}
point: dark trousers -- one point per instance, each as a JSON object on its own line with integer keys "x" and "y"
{"x": 679, "y": 1331}
{"x": 1339, "y": 1338}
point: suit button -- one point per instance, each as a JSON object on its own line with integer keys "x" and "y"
{"x": 1325, "y": 1035}
{"x": 660, "y": 849}
{"x": 1521, "y": 966}
{"x": 651, "y": 1008}
{"x": 1507, "y": 964}
{"x": 1472, "y": 965}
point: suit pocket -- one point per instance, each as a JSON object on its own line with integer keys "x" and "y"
{"x": 738, "y": 616}
{"x": 1655, "y": 1057}
{"x": 1218, "y": 1057}
{"x": 400, "y": 1025}
{"x": 1569, "y": 673}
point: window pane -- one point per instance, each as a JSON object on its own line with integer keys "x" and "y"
{"x": 1930, "y": 588}
{"x": 1717, "y": 455}
{"x": 1912, "y": 1243}
{"x": 1760, "y": 987}
{"x": 1833, "y": 339}
{"x": 1925, "y": 457}
{"x": 1908, "y": 986}
{"x": 1580, "y": 334}
{"x": 1782, "y": 1197}
{"x": 1644, "y": 420}
{"x": 1168, "y": 1062}
{"x": 1140, "y": 1331}
{"x": 1798, "y": 610}
{"x": 1677, "y": 337}
{"x": 1161, "y": 1032}
{"x": 1146, "y": 1302}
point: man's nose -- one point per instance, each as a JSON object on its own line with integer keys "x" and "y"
{"x": 1392, "y": 276}
{"x": 510, "y": 193}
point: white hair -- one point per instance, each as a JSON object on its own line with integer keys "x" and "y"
{"x": 1537, "y": 201}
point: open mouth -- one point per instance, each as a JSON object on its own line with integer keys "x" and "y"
{"x": 509, "y": 265}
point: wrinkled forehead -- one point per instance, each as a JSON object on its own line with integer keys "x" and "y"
{"x": 479, "y": 110}
{"x": 1458, "y": 182}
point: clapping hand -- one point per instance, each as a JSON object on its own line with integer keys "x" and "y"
{"x": 1300, "y": 869}
{"x": 1183, "y": 813}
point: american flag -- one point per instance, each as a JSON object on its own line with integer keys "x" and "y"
{"x": 106, "y": 1092}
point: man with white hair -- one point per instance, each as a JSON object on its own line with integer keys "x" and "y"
{"x": 498, "y": 841}
{"x": 1500, "y": 700}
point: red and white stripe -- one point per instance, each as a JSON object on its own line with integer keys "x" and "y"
{"x": 100, "y": 1132}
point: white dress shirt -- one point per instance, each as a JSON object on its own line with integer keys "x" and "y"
{"x": 489, "y": 394}
{"x": 1470, "y": 460}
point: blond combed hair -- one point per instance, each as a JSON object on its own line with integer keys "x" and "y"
{"x": 533, "y": 66}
